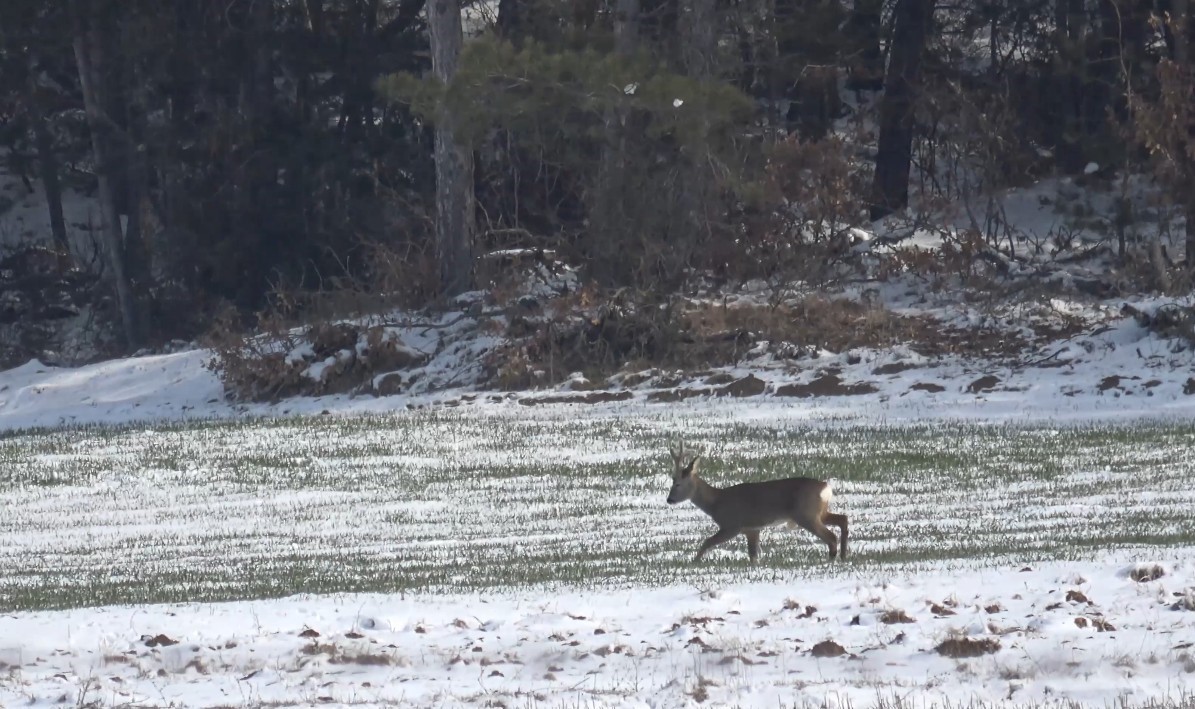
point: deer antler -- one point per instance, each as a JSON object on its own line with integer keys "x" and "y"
{"x": 678, "y": 454}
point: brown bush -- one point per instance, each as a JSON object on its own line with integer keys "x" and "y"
{"x": 967, "y": 647}
{"x": 810, "y": 197}
{"x": 262, "y": 367}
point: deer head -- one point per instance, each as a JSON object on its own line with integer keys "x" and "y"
{"x": 683, "y": 480}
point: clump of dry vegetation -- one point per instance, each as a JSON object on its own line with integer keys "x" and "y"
{"x": 894, "y": 616}
{"x": 827, "y": 648}
{"x": 1142, "y": 573}
{"x": 277, "y": 362}
{"x": 959, "y": 647}
{"x": 338, "y": 655}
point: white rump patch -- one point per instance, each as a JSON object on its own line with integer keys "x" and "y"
{"x": 827, "y": 493}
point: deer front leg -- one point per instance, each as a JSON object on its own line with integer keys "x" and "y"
{"x": 752, "y": 544}
{"x": 720, "y": 537}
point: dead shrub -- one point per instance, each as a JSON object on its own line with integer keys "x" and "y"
{"x": 700, "y": 692}
{"x": 827, "y": 648}
{"x": 347, "y": 656}
{"x": 591, "y": 332}
{"x": 810, "y": 198}
{"x": 1143, "y": 573}
{"x": 1186, "y": 600}
{"x": 961, "y": 647}
{"x": 894, "y": 616}
{"x": 275, "y": 363}
{"x": 1076, "y": 596}
{"x": 254, "y": 367}
{"x": 723, "y": 333}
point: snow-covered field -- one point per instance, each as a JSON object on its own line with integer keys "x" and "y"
{"x": 493, "y": 554}
{"x": 1082, "y": 634}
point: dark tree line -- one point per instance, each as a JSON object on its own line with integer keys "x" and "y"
{"x": 240, "y": 148}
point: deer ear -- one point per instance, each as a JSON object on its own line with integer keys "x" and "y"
{"x": 691, "y": 466}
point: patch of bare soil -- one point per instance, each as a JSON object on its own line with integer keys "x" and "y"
{"x": 983, "y": 384}
{"x": 893, "y": 368}
{"x": 826, "y": 385}
{"x": 749, "y": 385}
{"x": 159, "y": 640}
{"x": 1114, "y": 382}
{"x": 1074, "y": 596}
{"x": 827, "y": 648}
{"x": 967, "y": 647}
{"x": 669, "y": 395}
{"x": 593, "y": 397}
{"x": 928, "y": 387}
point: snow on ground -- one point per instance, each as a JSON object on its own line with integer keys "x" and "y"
{"x": 25, "y": 218}
{"x": 1061, "y": 632}
{"x": 1116, "y": 370}
{"x": 1081, "y": 631}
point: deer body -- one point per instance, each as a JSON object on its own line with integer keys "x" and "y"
{"x": 747, "y": 508}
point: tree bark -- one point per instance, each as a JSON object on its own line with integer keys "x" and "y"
{"x": 454, "y": 161}
{"x": 1181, "y": 28}
{"x": 699, "y": 38}
{"x": 865, "y": 63}
{"x": 626, "y": 27}
{"x": 90, "y": 55}
{"x": 510, "y": 23}
{"x": 48, "y": 169}
{"x": 894, "y": 157}
{"x": 1070, "y": 76}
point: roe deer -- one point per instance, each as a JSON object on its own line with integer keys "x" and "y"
{"x": 747, "y": 508}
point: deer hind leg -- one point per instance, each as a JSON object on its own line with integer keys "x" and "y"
{"x": 720, "y": 537}
{"x": 822, "y": 532}
{"x": 837, "y": 520}
{"x": 753, "y": 544}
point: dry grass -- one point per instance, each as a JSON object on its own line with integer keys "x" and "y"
{"x": 959, "y": 647}
{"x": 895, "y": 616}
{"x": 827, "y": 648}
{"x": 837, "y": 325}
{"x": 348, "y": 656}
{"x": 1143, "y": 573}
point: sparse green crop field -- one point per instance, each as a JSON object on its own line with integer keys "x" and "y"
{"x": 464, "y": 500}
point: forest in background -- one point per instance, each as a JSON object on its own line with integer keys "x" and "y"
{"x": 313, "y": 157}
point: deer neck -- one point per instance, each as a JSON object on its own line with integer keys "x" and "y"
{"x": 705, "y": 496}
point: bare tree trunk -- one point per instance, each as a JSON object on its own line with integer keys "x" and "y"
{"x": 454, "y": 162}
{"x": 894, "y": 157}
{"x": 89, "y": 58}
{"x": 1181, "y": 27}
{"x": 1070, "y": 40}
{"x": 626, "y": 27}
{"x": 48, "y": 169}
{"x": 511, "y": 23}
{"x": 607, "y": 205}
{"x": 865, "y": 63}
{"x": 698, "y": 36}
